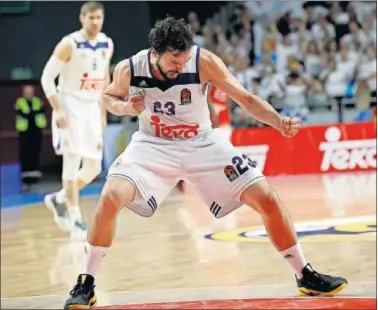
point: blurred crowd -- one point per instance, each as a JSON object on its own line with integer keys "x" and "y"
{"x": 300, "y": 56}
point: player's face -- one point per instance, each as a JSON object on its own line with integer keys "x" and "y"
{"x": 92, "y": 21}
{"x": 171, "y": 64}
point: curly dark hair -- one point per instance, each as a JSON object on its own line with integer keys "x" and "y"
{"x": 171, "y": 34}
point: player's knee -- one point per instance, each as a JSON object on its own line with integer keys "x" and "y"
{"x": 90, "y": 170}
{"x": 262, "y": 197}
{"x": 71, "y": 164}
{"x": 269, "y": 203}
{"x": 117, "y": 193}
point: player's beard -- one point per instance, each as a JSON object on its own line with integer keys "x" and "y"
{"x": 165, "y": 74}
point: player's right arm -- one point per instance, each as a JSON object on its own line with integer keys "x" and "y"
{"x": 116, "y": 98}
{"x": 53, "y": 68}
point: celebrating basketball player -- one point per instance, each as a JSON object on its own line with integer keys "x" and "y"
{"x": 81, "y": 60}
{"x": 175, "y": 142}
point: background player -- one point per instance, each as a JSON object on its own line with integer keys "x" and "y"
{"x": 175, "y": 141}
{"x": 81, "y": 59}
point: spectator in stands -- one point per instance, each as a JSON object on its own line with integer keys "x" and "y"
{"x": 196, "y": 27}
{"x": 312, "y": 60}
{"x": 335, "y": 83}
{"x": 355, "y": 39}
{"x": 323, "y": 30}
{"x": 346, "y": 61}
{"x": 367, "y": 76}
{"x": 285, "y": 48}
{"x": 331, "y": 47}
{"x": 309, "y": 55}
{"x": 368, "y": 33}
{"x": 295, "y": 96}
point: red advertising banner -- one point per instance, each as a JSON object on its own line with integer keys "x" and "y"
{"x": 315, "y": 149}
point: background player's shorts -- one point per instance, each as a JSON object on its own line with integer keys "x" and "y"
{"x": 83, "y": 135}
{"x": 215, "y": 169}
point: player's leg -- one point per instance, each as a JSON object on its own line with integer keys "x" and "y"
{"x": 279, "y": 226}
{"x": 139, "y": 179}
{"x": 227, "y": 179}
{"x": 90, "y": 169}
{"x": 53, "y": 201}
{"x": 86, "y": 138}
{"x": 68, "y": 196}
{"x": 70, "y": 203}
{"x": 116, "y": 194}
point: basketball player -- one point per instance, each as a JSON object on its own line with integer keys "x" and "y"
{"x": 164, "y": 86}
{"x": 81, "y": 60}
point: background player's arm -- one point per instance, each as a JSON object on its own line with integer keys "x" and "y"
{"x": 214, "y": 71}
{"x": 53, "y": 67}
{"x": 116, "y": 97}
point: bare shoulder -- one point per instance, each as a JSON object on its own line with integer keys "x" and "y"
{"x": 63, "y": 50}
{"x": 210, "y": 66}
{"x": 122, "y": 69}
{"x": 206, "y": 59}
{"x": 119, "y": 87}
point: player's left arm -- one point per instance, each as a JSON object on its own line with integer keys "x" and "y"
{"x": 106, "y": 84}
{"x": 214, "y": 71}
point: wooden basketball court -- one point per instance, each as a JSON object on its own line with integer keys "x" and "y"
{"x": 183, "y": 254}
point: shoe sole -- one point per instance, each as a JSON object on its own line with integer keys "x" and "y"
{"x": 92, "y": 303}
{"x": 305, "y": 292}
{"x": 51, "y": 207}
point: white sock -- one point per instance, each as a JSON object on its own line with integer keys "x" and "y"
{"x": 61, "y": 196}
{"x": 294, "y": 257}
{"x": 93, "y": 257}
{"x": 75, "y": 214}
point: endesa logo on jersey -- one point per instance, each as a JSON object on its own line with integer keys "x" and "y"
{"x": 89, "y": 84}
{"x": 348, "y": 154}
{"x": 173, "y": 132}
{"x": 315, "y": 149}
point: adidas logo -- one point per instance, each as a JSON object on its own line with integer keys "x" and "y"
{"x": 287, "y": 256}
{"x": 143, "y": 84}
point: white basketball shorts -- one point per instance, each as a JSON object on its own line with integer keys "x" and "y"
{"x": 83, "y": 135}
{"x": 215, "y": 169}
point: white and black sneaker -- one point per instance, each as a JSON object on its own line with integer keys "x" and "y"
{"x": 79, "y": 231}
{"x": 59, "y": 210}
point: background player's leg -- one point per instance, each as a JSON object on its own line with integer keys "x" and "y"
{"x": 71, "y": 165}
{"x": 90, "y": 169}
{"x": 67, "y": 200}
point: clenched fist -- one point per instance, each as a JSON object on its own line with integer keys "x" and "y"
{"x": 289, "y": 126}
{"x": 135, "y": 103}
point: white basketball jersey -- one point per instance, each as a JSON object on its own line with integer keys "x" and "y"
{"x": 174, "y": 109}
{"x": 84, "y": 74}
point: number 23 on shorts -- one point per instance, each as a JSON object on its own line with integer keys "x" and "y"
{"x": 240, "y": 165}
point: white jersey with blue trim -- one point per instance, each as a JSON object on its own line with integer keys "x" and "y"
{"x": 84, "y": 74}
{"x": 174, "y": 109}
